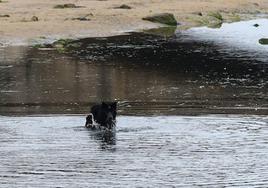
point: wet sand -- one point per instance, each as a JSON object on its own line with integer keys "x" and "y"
{"x": 104, "y": 19}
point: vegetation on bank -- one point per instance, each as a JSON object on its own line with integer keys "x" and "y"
{"x": 61, "y": 45}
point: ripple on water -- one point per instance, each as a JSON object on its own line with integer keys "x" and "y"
{"x": 203, "y": 151}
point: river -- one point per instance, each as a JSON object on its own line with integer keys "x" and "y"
{"x": 192, "y": 111}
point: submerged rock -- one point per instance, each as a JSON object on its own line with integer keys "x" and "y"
{"x": 163, "y": 18}
{"x": 263, "y": 41}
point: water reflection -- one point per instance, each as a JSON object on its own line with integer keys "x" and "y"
{"x": 147, "y": 74}
{"x": 106, "y": 139}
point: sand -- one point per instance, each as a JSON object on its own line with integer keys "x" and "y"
{"x": 103, "y": 18}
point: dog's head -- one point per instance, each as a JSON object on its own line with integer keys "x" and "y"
{"x": 108, "y": 113}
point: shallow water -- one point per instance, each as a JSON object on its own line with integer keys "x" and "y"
{"x": 147, "y": 74}
{"x": 161, "y": 151}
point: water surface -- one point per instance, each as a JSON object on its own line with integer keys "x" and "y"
{"x": 161, "y": 151}
{"x": 147, "y": 74}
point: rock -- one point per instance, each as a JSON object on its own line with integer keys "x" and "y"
{"x": 90, "y": 14}
{"x": 4, "y": 16}
{"x": 199, "y": 14}
{"x": 212, "y": 20}
{"x": 124, "y": 6}
{"x": 263, "y": 41}
{"x": 83, "y": 18}
{"x": 69, "y": 5}
{"x": 164, "y": 18}
{"x": 34, "y": 19}
{"x": 256, "y": 25}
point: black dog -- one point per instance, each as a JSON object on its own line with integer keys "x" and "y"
{"x": 103, "y": 114}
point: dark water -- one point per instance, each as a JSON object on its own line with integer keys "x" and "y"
{"x": 145, "y": 73}
{"x": 162, "y": 151}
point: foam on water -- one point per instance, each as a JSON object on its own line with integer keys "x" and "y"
{"x": 202, "y": 151}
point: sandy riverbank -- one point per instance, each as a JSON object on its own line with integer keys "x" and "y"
{"x": 103, "y": 19}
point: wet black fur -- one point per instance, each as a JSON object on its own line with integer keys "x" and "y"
{"x": 104, "y": 114}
